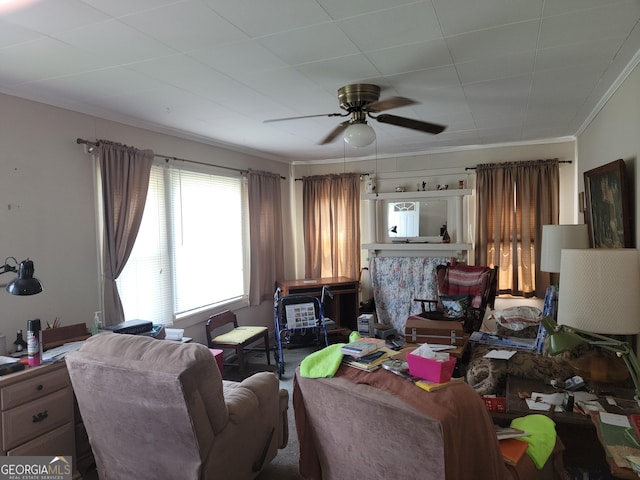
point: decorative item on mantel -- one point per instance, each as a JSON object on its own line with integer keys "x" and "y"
{"x": 446, "y": 238}
{"x": 370, "y": 185}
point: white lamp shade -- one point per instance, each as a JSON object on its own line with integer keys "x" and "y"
{"x": 557, "y": 237}
{"x": 600, "y": 290}
{"x": 359, "y": 135}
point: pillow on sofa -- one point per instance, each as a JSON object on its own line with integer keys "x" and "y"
{"x": 455, "y": 306}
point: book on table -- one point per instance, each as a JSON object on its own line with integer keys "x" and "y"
{"x": 513, "y": 450}
{"x": 362, "y": 347}
{"x": 368, "y": 362}
{"x": 509, "y": 432}
{"x": 433, "y": 386}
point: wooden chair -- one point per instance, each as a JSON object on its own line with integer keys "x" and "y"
{"x": 479, "y": 283}
{"x": 238, "y": 338}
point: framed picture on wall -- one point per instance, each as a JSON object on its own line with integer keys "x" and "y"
{"x": 607, "y": 212}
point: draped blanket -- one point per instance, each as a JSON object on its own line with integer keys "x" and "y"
{"x": 396, "y": 281}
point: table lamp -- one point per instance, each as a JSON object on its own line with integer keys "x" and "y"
{"x": 24, "y": 283}
{"x": 600, "y": 295}
{"x": 555, "y": 238}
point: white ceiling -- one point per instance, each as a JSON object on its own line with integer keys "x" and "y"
{"x": 493, "y": 71}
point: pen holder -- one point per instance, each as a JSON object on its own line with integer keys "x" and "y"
{"x": 54, "y": 337}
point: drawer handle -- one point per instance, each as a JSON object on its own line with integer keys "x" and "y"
{"x": 40, "y": 417}
{"x": 39, "y": 387}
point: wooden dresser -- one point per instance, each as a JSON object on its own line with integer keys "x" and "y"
{"x": 37, "y": 413}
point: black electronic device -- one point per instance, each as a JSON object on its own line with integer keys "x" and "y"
{"x": 131, "y": 327}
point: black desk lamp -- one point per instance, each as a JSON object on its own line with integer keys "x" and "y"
{"x": 24, "y": 283}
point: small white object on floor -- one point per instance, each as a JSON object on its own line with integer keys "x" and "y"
{"x": 500, "y": 354}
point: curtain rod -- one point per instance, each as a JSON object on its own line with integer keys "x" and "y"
{"x": 93, "y": 145}
{"x": 499, "y": 164}
{"x": 302, "y": 179}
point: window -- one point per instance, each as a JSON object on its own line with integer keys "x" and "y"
{"x": 189, "y": 252}
{"x": 514, "y": 200}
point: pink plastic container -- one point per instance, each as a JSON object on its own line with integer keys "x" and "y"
{"x": 430, "y": 370}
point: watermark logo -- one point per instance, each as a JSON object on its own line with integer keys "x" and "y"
{"x": 36, "y": 468}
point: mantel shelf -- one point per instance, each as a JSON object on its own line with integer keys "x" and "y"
{"x": 454, "y": 192}
{"x": 450, "y": 247}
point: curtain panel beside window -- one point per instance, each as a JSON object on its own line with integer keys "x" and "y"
{"x": 514, "y": 200}
{"x": 266, "y": 255}
{"x": 124, "y": 173}
{"x": 331, "y": 211}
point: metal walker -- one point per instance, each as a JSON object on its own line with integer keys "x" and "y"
{"x": 299, "y": 319}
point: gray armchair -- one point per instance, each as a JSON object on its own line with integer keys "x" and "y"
{"x": 160, "y": 409}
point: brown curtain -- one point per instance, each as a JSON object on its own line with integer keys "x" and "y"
{"x": 331, "y": 211}
{"x": 265, "y": 235}
{"x": 124, "y": 173}
{"x": 514, "y": 201}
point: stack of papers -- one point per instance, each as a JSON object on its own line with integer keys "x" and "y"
{"x": 58, "y": 353}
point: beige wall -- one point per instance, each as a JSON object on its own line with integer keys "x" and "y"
{"x": 615, "y": 133}
{"x": 47, "y": 209}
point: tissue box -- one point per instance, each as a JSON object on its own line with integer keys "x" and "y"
{"x": 431, "y": 370}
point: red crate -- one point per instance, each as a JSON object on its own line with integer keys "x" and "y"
{"x": 495, "y": 404}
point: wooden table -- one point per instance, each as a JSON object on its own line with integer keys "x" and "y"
{"x": 343, "y": 309}
{"x": 578, "y": 434}
{"x": 616, "y": 471}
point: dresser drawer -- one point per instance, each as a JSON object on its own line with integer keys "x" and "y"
{"x": 34, "y": 418}
{"x": 33, "y": 388}
{"x": 58, "y": 442}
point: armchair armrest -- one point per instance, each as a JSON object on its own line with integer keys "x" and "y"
{"x": 265, "y": 385}
{"x": 241, "y": 402}
{"x": 432, "y": 304}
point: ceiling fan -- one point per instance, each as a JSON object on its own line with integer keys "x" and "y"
{"x": 360, "y": 101}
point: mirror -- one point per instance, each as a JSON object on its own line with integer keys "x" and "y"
{"x": 411, "y": 219}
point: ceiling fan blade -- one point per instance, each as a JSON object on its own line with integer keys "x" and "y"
{"x": 306, "y": 116}
{"x": 389, "y": 103}
{"x": 409, "y": 123}
{"x": 334, "y": 133}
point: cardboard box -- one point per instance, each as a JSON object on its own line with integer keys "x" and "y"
{"x": 444, "y": 332}
{"x": 431, "y": 370}
{"x": 365, "y": 324}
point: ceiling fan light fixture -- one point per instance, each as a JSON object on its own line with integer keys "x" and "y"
{"x": 359, "y": 135}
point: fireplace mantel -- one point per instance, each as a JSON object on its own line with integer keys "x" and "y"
{"x": 433, "y": 247}
{"x": 417, "y": 249}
